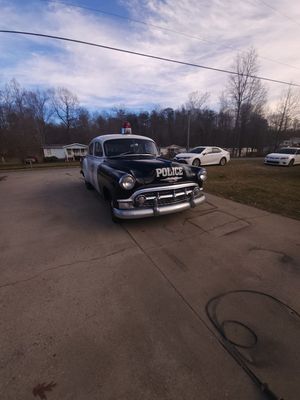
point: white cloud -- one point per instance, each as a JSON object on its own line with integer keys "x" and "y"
{"x": 102, "y": 78}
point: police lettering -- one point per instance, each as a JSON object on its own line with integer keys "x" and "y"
{"x": 170, "y": 171}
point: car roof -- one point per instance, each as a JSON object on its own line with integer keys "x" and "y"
{"x": 104, "y": 138}
{"x": 217, "y": 147}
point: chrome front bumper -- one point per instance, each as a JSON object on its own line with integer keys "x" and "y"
{"x": 159, "y": 210}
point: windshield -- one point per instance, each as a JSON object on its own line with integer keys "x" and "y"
{"x": 197, "y": 150}
{"x": 286, "y": 151}
{"x": 123, "y": 147}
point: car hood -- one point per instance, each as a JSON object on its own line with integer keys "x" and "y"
{"x": 187, "y": 155}
{"x": 278, "y": 155}
{"x": 152, "y": 170}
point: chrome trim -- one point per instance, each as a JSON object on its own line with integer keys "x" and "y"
{"x": 124, "y": 176}
{"x": 156, "y": 210}
{"x": 162, "y": 189}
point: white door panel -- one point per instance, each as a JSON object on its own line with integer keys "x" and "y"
{"x": 208, "y": 158}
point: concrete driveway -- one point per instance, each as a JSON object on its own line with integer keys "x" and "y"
{"x": 95, "y": 310}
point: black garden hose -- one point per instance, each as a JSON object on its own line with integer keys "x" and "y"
{"x": 232, "y": 346}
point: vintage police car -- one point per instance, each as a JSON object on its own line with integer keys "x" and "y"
{"x": 128, "y": 172}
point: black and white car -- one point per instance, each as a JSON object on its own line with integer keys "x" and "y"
{"x": 204, "y": 155}
{"x": 287, "y": 156}
{"x": 128, "y": 172}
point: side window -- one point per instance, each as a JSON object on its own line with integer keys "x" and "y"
{"x": 216, "y": 150}
{"x": 298, "y": 152}
{"x": 91, "y": 147}
{"x": 98, "y": 150}
{"x": 208, "y": 150}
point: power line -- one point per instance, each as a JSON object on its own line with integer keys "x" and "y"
{"x": 162, "y": 28}
{"x": 145, "y": 55}
{"x": 279, "y": 12}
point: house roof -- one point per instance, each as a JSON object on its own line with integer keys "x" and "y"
{"x": 53, "y": 146}
{"x": 84, "y": 146}
{"x": 64, "y": 146}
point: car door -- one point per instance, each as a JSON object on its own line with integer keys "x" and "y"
{"x": 95, "y": 161}
{"x": 207, "y": 156}
{"x": 217, "y": 152}
{"x": 87, "y": 162}
{"x": 297, "y": 157}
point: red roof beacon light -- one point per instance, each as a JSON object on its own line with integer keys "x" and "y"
{"x": 126, "y": 128}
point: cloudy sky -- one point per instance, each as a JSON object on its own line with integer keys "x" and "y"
{"x": 209, "y": 32}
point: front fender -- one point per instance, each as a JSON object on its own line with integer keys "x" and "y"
{"x": 108, "y": 178}
{"x": 84, "y": 168}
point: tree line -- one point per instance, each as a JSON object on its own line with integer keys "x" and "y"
{"x": 30, "y": 119}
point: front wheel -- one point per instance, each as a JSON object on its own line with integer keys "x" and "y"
{"x": 223, "y": 161}
{"x": 291, "y": 163}
{"x": 196, "y": 162}
{"x": 88, "y": 185}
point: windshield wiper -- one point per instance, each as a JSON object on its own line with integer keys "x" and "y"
{"x": 122, "y": 154}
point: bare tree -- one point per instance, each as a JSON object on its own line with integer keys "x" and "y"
{"x": 16, "y": 120}
{"x": 247, "y": 94}
{"x": 285, "y": 116}
{"x": 39, "y": 104}
{"x": 196, "y": 102}
{"x": 66, "y": 106}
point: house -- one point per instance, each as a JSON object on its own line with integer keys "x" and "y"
{"x": 244, "y": 152}
{"x": 294, "y": 141}
{"x": 66, "y": 152}
{"x": 171, "y": 151}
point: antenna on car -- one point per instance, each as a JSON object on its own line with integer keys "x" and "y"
{"x": 126, "y": 128}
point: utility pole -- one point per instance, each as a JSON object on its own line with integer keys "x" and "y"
{"x": 188, "y": 131}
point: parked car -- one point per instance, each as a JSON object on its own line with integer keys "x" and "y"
{"x": 204, "y": 156}
{"x": 30, "y": 160}
{"x": 127, "y": 170}
{"x": 287, "y": 156}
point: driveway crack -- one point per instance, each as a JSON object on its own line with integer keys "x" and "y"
{"x": 66, "y": 265}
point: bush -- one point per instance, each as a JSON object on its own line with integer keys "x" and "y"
{"x": 52, "y": 159}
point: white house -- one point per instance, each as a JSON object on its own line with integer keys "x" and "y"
{"x": 66, "y": 152}
{"x": 294, "y": 141}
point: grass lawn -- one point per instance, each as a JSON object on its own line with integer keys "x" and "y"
{"x": 271, "y": 188}
{"x": 7, "y": 167}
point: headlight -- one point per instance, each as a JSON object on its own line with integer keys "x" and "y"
{"x": 127, "y": 182}
{"x": 284, "y": 158}
{"x": 202, "y": 175}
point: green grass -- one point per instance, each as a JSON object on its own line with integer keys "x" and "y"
{"x": 271, "y": 188}
{"x": 8, "y": 167}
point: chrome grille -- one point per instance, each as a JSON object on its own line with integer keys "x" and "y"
{"x": 165, "y": 196}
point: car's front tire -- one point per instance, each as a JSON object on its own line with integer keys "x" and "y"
{"x": 88, "y": 185}
{"x": 291, "y": 163}
{"x": 223, "y": 161}
{"x": 196, "y": 162}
